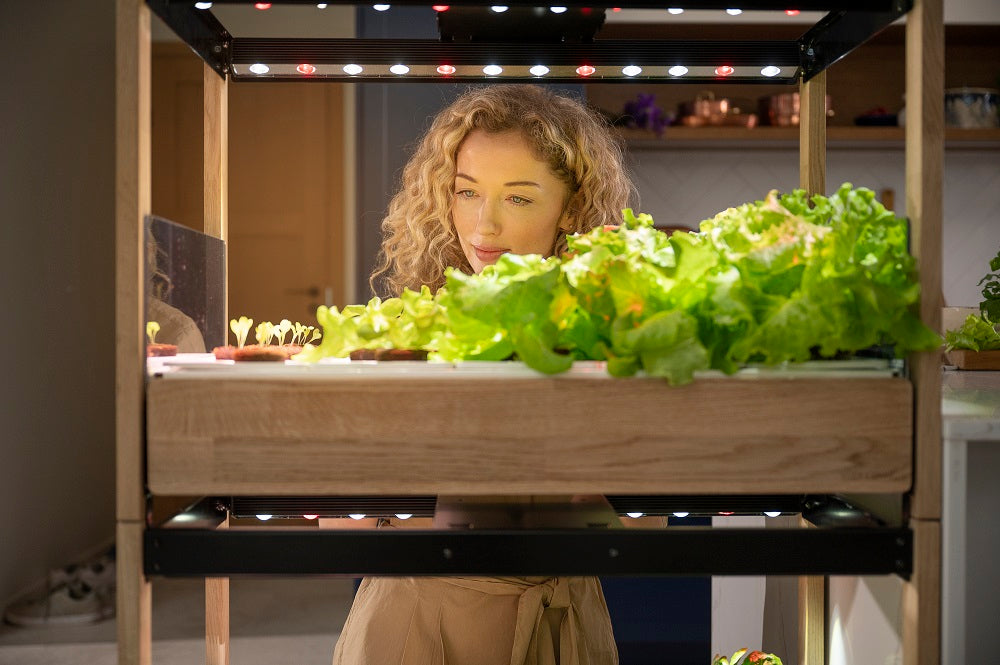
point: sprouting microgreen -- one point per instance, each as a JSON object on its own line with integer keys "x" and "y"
{"x": 241, "y": 328}
{"x": 282, "y": 329}
{"x": 152, "y": 327}
{"x": 264, "y": 332}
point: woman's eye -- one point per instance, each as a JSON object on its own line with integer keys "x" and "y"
{"x": 465, "y": 194}
{"x": 519, "y": 200}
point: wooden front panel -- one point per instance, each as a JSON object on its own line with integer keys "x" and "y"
{"x": 515, "y": 436}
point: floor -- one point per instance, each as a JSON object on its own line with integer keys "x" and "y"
{"x": 271, "y": 621}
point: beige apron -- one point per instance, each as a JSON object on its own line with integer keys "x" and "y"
{"x": 477, "y": 621}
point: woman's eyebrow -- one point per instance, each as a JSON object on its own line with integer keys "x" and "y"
{"x": 515, "y": 183}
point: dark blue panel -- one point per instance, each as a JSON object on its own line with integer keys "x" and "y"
{"x": 661, "y": 620}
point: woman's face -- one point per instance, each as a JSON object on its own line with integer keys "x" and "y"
{"x": 505, "y": 199}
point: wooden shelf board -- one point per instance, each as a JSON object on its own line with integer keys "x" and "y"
{"x": 394, "y": 435}
{"x": 788, "y": 137}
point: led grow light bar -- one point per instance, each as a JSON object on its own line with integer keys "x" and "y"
{"x": 606, "y": 61}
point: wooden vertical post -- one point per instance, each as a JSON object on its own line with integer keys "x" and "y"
{"x": 216, "y": 153}
{"x": 812, "y": 178}
{"x": 216, "y": 223}
{"x": 217, "y": 618}
{"x": 812, "y": 134}
{"x": 922, "y": 597}
{"x": 924, "y": 207}
{"x": 132, "y": 204}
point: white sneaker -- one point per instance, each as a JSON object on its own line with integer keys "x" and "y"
{"x": 97, "y": 572}
{"x": 75, "y": 594}
{"x": 73, "y": 603}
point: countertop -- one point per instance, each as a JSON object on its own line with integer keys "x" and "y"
{"x": 970, "y": 403}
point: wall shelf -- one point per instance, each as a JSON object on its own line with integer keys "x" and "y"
{"x": 769, "y": 138}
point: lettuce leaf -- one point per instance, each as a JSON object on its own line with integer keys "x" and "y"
{"x": 783, "y": 279}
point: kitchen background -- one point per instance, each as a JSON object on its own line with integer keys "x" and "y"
{"x": 57, "y": 245}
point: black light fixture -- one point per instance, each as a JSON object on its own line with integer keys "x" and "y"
{"x": 520, "y": 42}
{"x": 604, "y": 61}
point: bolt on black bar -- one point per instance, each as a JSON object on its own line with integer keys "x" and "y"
{"x": 198, "y": 29}
{"x": 671, "y": 551}
{"x": 840, "y": 32}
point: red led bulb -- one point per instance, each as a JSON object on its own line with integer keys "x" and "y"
{"x": 585, "y": 70}
{"x": 305, "y": 68}
{"x": 724, "y": 70}
{"x": 447, "y": 70}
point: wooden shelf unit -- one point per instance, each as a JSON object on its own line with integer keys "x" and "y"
{"x": 186, "y": 418}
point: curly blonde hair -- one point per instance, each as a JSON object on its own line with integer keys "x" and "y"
{"x": 419, "y": 237}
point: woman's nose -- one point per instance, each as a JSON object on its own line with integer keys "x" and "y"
{"x": 489, "y": 218}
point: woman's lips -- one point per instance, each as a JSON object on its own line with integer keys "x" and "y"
{"x": 489, "y": 254}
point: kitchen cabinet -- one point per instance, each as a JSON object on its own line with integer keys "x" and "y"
{"x": 317, "y": 432}
{"x": 971, "y": 411}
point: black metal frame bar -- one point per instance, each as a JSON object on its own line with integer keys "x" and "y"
{"x": 840, "y": 32}
{"x": 198, "y": 29}
{"x": 184, "y": 552}
{"x": 847, "y": 26}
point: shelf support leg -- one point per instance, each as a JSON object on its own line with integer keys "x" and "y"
{"x": 216, "y": 163}
{"x": 812, "y": 178}
{"x": 133, "y": 189}
{"x": 217, "y": 617}
{"x": 812, "y": 134}
{"x": 925, "y": 209}
{"x": 922, "y": 597}
{"x": 216, "y": 223}
{"x": 133, "y": 597}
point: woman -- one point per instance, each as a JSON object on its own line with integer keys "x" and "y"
{"x": 511, "y": 168}
{"x": 428, "y": 226}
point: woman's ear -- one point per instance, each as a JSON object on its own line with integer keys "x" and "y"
{"x": 567, "y": 221}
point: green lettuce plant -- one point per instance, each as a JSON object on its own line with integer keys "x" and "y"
{"x": 784, "y": 279}
{"x": 741, "y": 657}
{"x": 979, "y": 333}
{"x": 990, "y": 305}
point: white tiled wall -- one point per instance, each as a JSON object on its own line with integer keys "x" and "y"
{"x": 685, "y": 186}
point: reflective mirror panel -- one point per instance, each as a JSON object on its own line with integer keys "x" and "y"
{"x": 185, "y": 286}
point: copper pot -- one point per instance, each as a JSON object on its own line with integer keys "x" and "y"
{"x": 706, "y": 110}
{"x": 707, "y": 106}
{"x": 783, "y": 109}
